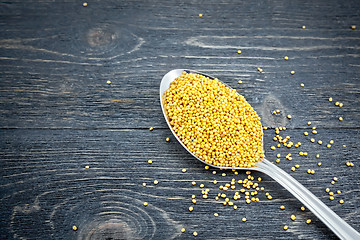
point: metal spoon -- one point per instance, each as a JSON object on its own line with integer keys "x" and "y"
{"x": 323, "y": 212}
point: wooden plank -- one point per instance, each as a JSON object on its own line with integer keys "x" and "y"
{"x": 45, "y": 183}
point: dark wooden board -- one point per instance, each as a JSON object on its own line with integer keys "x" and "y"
{"x": 58, "y": 115}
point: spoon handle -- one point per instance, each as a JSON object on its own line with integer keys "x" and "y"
{"x": 323, "y": 212}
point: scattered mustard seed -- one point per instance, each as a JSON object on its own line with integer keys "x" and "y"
{"x": 243, "y": 219}
{"x": 240, "y": 82}
{"x": 330, "y": 99}
{"x": 239, "y": 51}
{"x": 292, "y": 72}
{"x": 308, "y": 221}
{"x": 341, "y": 201}
{"x": 353, "y": 27}
{"x": 216, "y": 214}
{"x": 195, "y": 234}
{"x": 150, "y": 161}
{"x": 319, "y": 164}
{"x": 309, "y": 123}
{"x": 302, "y": 208}
{"x": 183, "y": 230}
{"x": 74, "y": 228}
{"x": 151, "y": 128}
{"x": 87, "y": 167}
{"x": 191, "y": 209}
{"x": 85, "y": 4}
{"x": 156, "y": 182}
{"x": 184, "y": 170}
{"x": 303, "y": 27}
{"x": 340, "y": 119}
{"x": 302, "y": 85}
{"x": 200, "y": 14}
{"x": 167, "y": 139}
{"x": 145, "y": 204}
{"x": 286, "y": 227}
{"x": 108, "y": 82}
{"x": 144, "y": 184}
{"x": 286, "y": 58}
{"x": 282, "y": 207}
{"x": 289, "y": 116}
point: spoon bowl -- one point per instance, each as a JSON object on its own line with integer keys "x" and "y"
{"x": 342, "y": 229}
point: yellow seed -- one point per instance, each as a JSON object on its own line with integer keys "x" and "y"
{"x": 331, "y": 193}
{"x": 156, "y": 182}
{"x": 305, "y": 153}
{"x": 191, "y": 209}
{"x": 319, "y": 164}
{"x": 304, "y": 27}
{"x": 193, "y": 183}
{"x": 338, "y": 192}
{"x": 344, "y": 146}
{"x": 151, "y": 128}
{"x": 87, "y": 167}
{"x": 293, "y": 217}
{"x": 216, "y": 214}
{"x": 167, "y": 139}
{"x": 145, "y": 204}
{"x": 327, "y": 190}
{"x": 330, "y": 99}
{"x": 193, "y": 201}
{"x": 183, "y": 230}
{"x": 301, "y": 153}
{"x": 309, "y": 171}
{"x": 340, "y": 118}
{"x": 85, "y": 4}
{"x": 306, "y": 133}
{"x": 244, "y": 219}
{"x": 259, "y": 69}
{"x": 331, "y": 198}
{"x": 144, "y": 184}
{"x": 150, "y": 161}
{"x": 341, "y": 105}
{"x": 272, "y": 148}
{"x": 235, "y": 207}
{"x": 215, "y": 182}
{"x": 108, "y": 82}
{"x": 302, "y": 85}
{"x": 341, "y": 201}
{"x": 302, "y": 208}
{"x": 320, "y": 142}
{"x": 278, "y": 155}
{"x": 308, "y": 221}
{"x": 331, "y": 141}
{"x": 286, "y": 58}
{"x": 269, "y": 197}
{"x": 195, "y": 234}
{"x": 239, "y": 51}
{"x": 293, "y": 169}
{"x": 309, "y": 123}
{"x": 289, "y": 116}
{"x": 317, "y": 155}
{"x": 312, "y": 140}
{"x": 202, "y": 185}
{"x": 240, "y": 82}
{"x": 205, "y": 196}
{"x": 314, "y": 131}
{"x": 74, "y": 228}
{"x": 297, "y": 166}
{"x": 277, "y": 160}
{"x": 200, "y": 14}
{"x": 337, "y": 104}
{"x": 282, "y": 207}
{"x": 332, "y": 182}
{"x": 312, "y": 172}
{"x": 292, "y": 72}
{"x": 353, "y": 27}
{"x": 207, "y": 167}
{"x": 286, "y": 227}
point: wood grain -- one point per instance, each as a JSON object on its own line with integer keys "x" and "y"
{"x": 58, "y": 115}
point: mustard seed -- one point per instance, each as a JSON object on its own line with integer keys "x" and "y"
{"x": 74, "y": 228}
{"x": 182, "y": 230}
